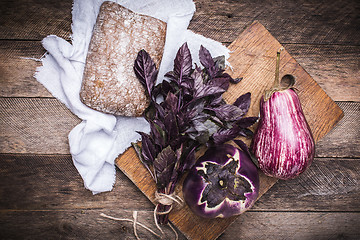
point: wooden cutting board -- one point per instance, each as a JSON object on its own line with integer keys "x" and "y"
{"x": 253, "y": 57}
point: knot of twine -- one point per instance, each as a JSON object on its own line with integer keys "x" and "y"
{"x": 167, "y": 200}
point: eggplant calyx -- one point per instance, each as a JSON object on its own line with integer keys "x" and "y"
{"x": 223, "y": 182}
{"x": 287, "y": 81}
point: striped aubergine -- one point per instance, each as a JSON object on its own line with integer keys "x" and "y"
{"x": 283, "y": 142}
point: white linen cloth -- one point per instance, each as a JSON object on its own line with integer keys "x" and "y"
{"x": 100, "y": 138}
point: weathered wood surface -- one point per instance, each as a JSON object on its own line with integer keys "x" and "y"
{"x": 29, "y": 175}
{"x": 332, "y": 23}
{"x": 42, "y": 195}
{"x": 309, "y": 22}
{"x": 86, "y": 224}
{"x": 34, "y": 20}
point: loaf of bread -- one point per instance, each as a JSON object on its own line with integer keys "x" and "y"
{"x": 109, "y": 83}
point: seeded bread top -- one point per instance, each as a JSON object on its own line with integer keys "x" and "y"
{"x": 109, "y": 82}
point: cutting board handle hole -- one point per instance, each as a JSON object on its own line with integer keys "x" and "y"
{"x": 287, "y": 81}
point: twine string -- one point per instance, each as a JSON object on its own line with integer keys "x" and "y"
{"x": 134, "y": 224}
{"x": 166, "y": 200}
{"x": 160, "y": 198}
{"x": 134, "y": 221}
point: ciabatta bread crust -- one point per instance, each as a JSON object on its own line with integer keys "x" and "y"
{"x": 109, "y": 83}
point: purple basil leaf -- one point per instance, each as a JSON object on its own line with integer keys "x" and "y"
{"x": 157, "y": 133}
{"x": 182, "y": 121}
{"x": 150, "y": 112}
{"x": 246, "y": 122}
{"x": 220, "y": 62}
{"x": 222, "y": 82}
{"x": 218, "y": 122}
{"x": 183, "y": 62}
{"x": 224, "y": 135}
{"x": 236, "y": 80}
{"x": 164, "y": 165}
{"x": 245, "y": 132}
{"x": 198, "y": 81}
{"x": 208, "y": 90}
{"x": 201, "y": 116}
{"x": 160, "y": 111}
{"x": 156, "y": 91}
{"x": 176, "y": 171}
{"x": 207, "y": 61}
{"x": 202, "y": 129}
{"x": 205, "y": 57}
{"x": 148, "y": 150}
{"x": 145, "y": 70}
{"x": 167, "y": 87}
{"x": 187, "y": 82}
{"x": 204, "y": 90}
{"x": 154, "y": 111}
{"x": 243, "y": 102}
{"x": 189, "y": 159}
{"x": 171, "y": 76}
{"x": 147, "y": 165}
{"x": 197, "y": 76}
{"x": 171, "y": 102}
{"x": 176, "y": 142}
{"x": 159, "y": 124}
{"x": 187, "y": 98}
{"x": 196, "y": 109}
{"x": 216, "y": 100}
{"x": 171, "y": 126}
{"x": 242, "y": 145}
{"x": 227, "y": 112}
{"x": 165, "y": 158}
{"x": 192, "y": 111}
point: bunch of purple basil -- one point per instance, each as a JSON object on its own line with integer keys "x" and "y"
{"x": 191, "y": 113}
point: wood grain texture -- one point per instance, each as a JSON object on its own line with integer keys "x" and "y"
{"x": 51, "y": 182}
{"x": 34, "y": 20}
{"x": 76, "y": 224}
{"x": 327, "y": 64}
{"x": 35, "y": 125}
{"x": 346, "y": 132}
{"x": 257, "y": 48}
{"x": 290, "y": 21}
{"x": 328, "y": 185}
{"x": 310, "y": 22}
{"x": 17, "y": 68}
{"x": 294, "y": 225}
{"x": 330, "y": 65}
{"x": 88, "y": 224}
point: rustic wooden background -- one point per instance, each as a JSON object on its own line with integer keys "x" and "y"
{"x": 42, "y": 195}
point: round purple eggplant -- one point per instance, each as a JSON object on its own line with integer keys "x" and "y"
{"x": 224, "y": 182}
{"x": 283, "y": 142}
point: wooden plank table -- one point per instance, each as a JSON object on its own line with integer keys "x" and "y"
{"x": 42, "y": 195}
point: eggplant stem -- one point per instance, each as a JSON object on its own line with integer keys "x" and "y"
{"x": 277, "y": 69}
{"x": 276, "y": 86}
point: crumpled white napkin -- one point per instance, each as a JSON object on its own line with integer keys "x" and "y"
{"x": 100, "y": 138}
